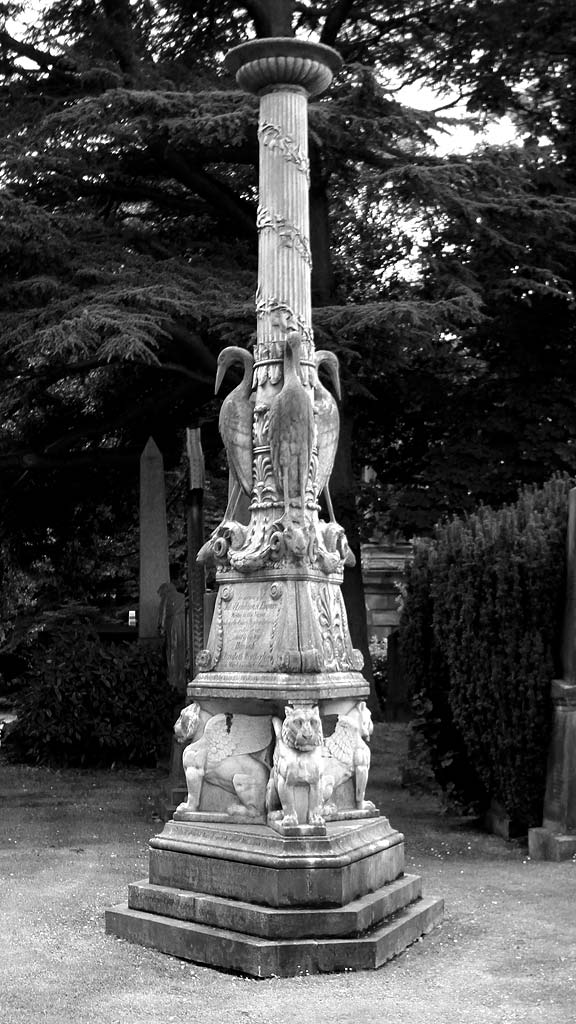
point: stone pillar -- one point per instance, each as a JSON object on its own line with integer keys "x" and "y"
{"x": 277, "y": 854}
{"x": 154, "y": 561}
{"x": 569, "y": 631}
{"x": 280, "y": 630}
{"x": 556, "y": 839}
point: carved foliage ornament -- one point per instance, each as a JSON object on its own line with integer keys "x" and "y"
{"x": 274, "y": 541}
{"x": 285, "y": 319}
{"x": 289, "y": 236}
{"x": 273, "y": 137}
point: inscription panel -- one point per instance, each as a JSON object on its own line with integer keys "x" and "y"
{"x": 248, "y": 623}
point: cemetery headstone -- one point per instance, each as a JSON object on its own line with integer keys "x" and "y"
{"x": 154, "y": 561}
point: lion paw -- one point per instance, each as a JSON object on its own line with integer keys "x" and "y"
{"x": 186, "y": 806}
{"x": 329, "y": 809}
{"x": 366, "y": 805}
{"x": 315, "y": 818}
{"x": 243, "y": 810}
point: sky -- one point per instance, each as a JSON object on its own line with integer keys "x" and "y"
{"x": 459, "y": 139}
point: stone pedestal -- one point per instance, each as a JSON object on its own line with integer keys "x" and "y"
{"x": 260, "y": 904}
{"x": 556, "y": 839}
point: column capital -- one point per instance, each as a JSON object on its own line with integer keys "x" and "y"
{"x": 264, "y": 64}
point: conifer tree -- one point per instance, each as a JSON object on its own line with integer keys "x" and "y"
{"x": 128, "y": 250}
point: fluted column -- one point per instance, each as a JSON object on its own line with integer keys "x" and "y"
{"x": 283, "y": 299}
{"x": 284, "y": 73}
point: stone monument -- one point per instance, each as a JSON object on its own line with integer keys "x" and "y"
{"x": 173, "y": 789}
{"x": 195, "y": 538}
{"x": 172, "y": 628}
{"x": 154, "y": 560}
{"x": 276, "y": 863}
{"x": 556, "y": 839}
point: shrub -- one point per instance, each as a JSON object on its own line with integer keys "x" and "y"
{"x": 435, "y": 740}
{"x": 378, "y": 648}
{"x": 480, "y": 638}
{"x": 16, "y": 592}
{"x": 84, "y": 703}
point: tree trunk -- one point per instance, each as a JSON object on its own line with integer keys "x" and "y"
{"x": 271, "y": 17}
{"x": 322, "y": 277}
{"x": 343, "y": 491}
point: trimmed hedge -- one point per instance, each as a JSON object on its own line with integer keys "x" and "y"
{"x": 85, "y": 703}
{"x": 480, "y": 639}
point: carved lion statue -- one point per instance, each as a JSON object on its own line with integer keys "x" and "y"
{"x": 346, "y": 756}
{"x": 298, "y": 763}
{"x": 228, "y": 751}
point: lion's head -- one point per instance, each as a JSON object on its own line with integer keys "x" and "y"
{"x": 302, "y": 728}
{"x": 365, "y": 724}
{"x": 356, "y": 722}
{"x": 188, "y": 722}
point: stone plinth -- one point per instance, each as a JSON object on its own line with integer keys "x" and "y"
{"x": 268, "y": 958}
{"x": 278, "y": 687}
{"x": 356, "y": 917}
{"x": 556, "y": 839}
{"x": 248, "y": 900}
{"x": 351, "y": 859}
{"x": 546, "y": 845}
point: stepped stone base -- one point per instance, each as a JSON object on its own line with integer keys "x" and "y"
{"x": 238, "y": 861}
{"x": 544, "y": 844}
{"x": 283, "y": 958}
{"x": 330, "y": 903}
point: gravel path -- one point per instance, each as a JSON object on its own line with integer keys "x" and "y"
{"x": 71, "y": 841}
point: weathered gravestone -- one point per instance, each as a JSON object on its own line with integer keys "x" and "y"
{"x": 154, "y": 561}
{"x": 173, "y": 790}
{"x": 172, "y": 627}
{"x": 277, "y": 863}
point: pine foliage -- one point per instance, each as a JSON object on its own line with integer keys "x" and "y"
{"x": 128, "y": 198}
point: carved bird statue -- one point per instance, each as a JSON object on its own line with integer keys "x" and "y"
{"x": 328, "y": 421}
{"x": 235, "y": 423}
{"x": 291, "y": 429}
